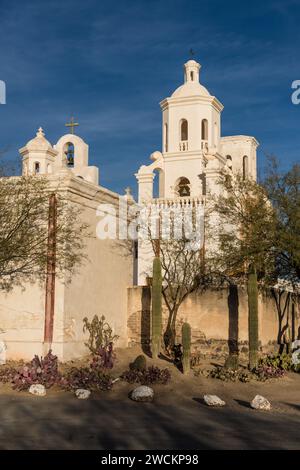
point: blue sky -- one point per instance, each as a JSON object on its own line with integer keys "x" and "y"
{"x": 110, "y": 63}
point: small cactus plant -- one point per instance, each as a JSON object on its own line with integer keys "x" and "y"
{"x": 156, "y": 308}
{"x": 186, "y": 346}
{"x": 253, "y": 317}
{"x": 139, "y": 363}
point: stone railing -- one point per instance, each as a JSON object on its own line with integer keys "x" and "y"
{"x": 177, "y": 201}
{"x": 183, "y": 145}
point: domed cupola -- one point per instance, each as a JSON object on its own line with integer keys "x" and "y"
{"x": 38, "y": 155}
{"x": 191, "y": 86}
{"x": 191, "y": 116}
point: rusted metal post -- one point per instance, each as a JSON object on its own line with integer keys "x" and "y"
{"x": 50, "y": 275}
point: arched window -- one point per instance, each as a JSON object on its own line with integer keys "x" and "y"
{"x": 37, "y": 168}
{"x": 229, "y": 161}
{"x": 184, "y": 130}
{"x": 69, "y": 152}
{"x": 245, "y": 167}
{"x": 183, "y": 187}
{"x": 192, "y": 76}
{"x": 204, "y": 129}
{"x": 166, "y": 137}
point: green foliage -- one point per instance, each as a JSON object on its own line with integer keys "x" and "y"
{"x": 253, "y": 317}
{"x": 280, "y": 361}
{"x": 186, "y": 347}
{"x": 139, "y": 363}
{"x": 246, "y": 229}
{"x": 90, "y": 378}
{"x": 261, "y": 374}
{"x": 150, "y": 376}
{"x": 230, "y": 375}
{"x": 100, "y": 334}
{"x": 156, "y": 308}
{"x": 283, "y": 190}
{"x": 24, "y": 217}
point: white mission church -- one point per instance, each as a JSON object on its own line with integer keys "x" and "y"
{"x": 193, "y": 154}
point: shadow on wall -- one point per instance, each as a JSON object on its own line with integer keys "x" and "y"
{"x": 146, "y": 320}
{"x": 233, "y": 310}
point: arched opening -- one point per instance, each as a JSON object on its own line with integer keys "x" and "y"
{"x": 183, "y": 187}
{"x": 166, "y": 137}
{"x": 37, "y": 168}
{"x": 184, "y": 130}
{"x": 204, "y": 129}
{"x": 70, "y": 154}
{"x": 158, "y": 183}
{"x": 49, "y": 168}
{"x": 192, "y": 76}
{"x": 229, "y": 161}
{"x": 245, "y": 167}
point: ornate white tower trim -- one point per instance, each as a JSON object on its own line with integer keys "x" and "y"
{"x": 193, "y": 151}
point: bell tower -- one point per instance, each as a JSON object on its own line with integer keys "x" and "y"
{"x": 191, "y": 128}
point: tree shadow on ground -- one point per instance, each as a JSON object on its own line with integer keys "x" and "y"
{"x": 243, "y": 403}
{"x": 109, "y": 421}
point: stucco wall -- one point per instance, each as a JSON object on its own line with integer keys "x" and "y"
{"x": 208, "y": 315}
{"x": 99, "y": 287}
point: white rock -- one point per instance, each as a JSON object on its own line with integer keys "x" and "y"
{"x": 142, "y": 393}
{"x": 260, "y": 403}
{"x": 82, "y": 394}
{"x": 37, "y": 389}
{"x": 2, "y": 353}
{"x": 213, "y": 400}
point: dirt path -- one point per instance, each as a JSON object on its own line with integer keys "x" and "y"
{"x": 177, "y": 419}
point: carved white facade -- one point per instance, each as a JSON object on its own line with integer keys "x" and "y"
{"x": 193, "y": 151}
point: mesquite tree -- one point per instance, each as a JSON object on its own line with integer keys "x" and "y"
{"x": 24, "y": 215}
{"x": 245, "y": 241}
{"x": 181, "y": 274}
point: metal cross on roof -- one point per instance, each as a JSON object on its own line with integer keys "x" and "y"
{"x": 72, "y": 124}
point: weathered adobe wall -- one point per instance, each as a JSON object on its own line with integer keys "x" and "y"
{"x": 99, "y": 287}
{"x": 208, "y": 315}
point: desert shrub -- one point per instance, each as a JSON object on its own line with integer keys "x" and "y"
{"x": 261, "y": 373}
{"x": 40, "y": 370}
{"x": 90, "y": 378}
{"x": 230, "y": 375}
{"x": 7, "y": 373}
{"x": 149, "y": 376}
{"x": 264, "y": 372}
{"x": 139, "y": 363}
{"x": 278, "y": 361}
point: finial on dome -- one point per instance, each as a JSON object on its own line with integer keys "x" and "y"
{"x": 191, "y": 71}
{"x": 40, "y": 132}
